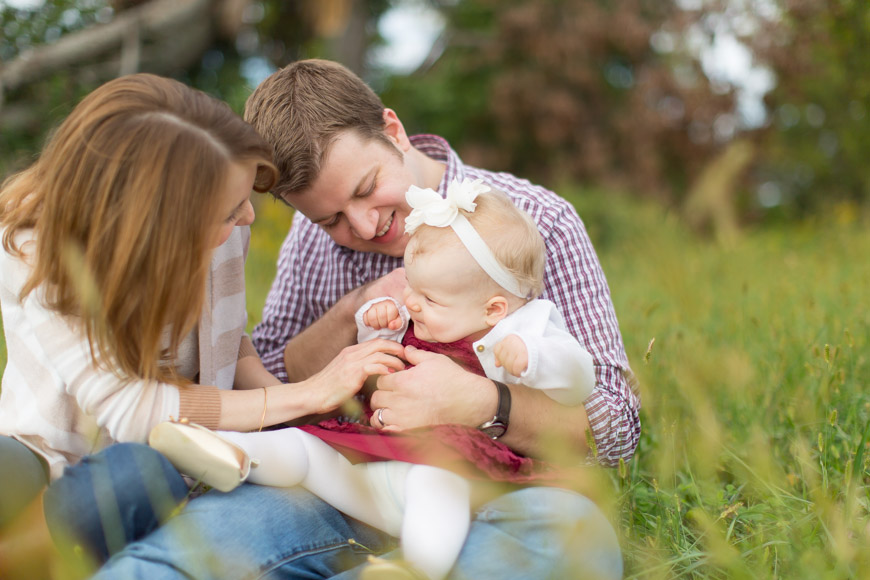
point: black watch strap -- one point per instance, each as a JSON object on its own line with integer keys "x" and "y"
{"x": 498, "y": 425}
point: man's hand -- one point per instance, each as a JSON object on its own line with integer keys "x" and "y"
{"x": 512, "y": 354}
{"x": 384, "y": 314}
{"x": 436, "y": 391}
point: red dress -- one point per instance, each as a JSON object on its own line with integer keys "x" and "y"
{"x": 462, "y": 449}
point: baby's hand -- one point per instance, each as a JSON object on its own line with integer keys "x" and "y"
{"x": 511, "y": 353}
{"x": 384, "y": 314}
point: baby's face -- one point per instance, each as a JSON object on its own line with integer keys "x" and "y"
{"x": 443, "y": 295}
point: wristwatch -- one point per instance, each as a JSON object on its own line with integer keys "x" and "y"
{"x": 498, "y": 425}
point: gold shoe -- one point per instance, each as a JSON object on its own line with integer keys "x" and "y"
{"x": 202, "y": 454}
{"x": 383, "y": 569}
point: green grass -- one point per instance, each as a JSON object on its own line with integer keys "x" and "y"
{"x": 752, "y": 462}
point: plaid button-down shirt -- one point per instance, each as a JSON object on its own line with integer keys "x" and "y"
{"x": 314, "y": 273}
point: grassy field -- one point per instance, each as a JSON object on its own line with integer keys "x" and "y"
{"x": 755, "y": 395}
{"x": 753, "y": 363}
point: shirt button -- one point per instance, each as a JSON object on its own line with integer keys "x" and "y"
{"x": 480, "y": 348}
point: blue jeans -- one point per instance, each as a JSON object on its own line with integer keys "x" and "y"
{"x": 111, "y": 498}
{"x": 263, "y": 532}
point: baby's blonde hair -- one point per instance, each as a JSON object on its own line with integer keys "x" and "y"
{"x": 510, "y": 233}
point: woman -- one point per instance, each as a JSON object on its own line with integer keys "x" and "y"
{"x": 122, "y": 290}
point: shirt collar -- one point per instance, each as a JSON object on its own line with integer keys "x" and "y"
{"x": 439, "y": 149}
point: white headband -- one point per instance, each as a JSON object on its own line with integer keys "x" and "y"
{"x": 429, "y": 208}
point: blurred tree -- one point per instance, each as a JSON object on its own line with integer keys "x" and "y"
{"x": 341, "y": 30}
{"x": 817, "y": 141}
{"x": 54, "y": 53}
{"x": 601, "y": 92}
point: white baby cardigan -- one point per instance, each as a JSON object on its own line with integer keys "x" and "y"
{"x": 558, "y": 364}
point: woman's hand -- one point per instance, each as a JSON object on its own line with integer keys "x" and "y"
{"x": 346, "y": 373}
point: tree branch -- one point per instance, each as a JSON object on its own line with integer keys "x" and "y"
{"x": 162, "y": 20}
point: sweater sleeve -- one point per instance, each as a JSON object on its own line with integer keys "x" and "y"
{"x": 246, "y": 347}
{"x": 200, "y": 404}
{"x": 52, "y": 374}
{"x": 125, "y": 408}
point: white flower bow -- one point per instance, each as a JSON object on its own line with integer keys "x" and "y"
{"x": 429, "y": 208}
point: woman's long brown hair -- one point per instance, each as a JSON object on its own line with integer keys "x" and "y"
{"x": 123, "y": 202}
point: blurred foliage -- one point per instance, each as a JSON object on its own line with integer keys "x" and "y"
{"x": 608, "y": 94}
{"x": 26, "y": 27}
{"x": 602, "y": 93}
{"x": 270, "y": 34}
{"x": 816, "y": 146}
{"x": 327, "y": 29}
{"x": 22, "y": 130}
{"x": 613, "y": 95}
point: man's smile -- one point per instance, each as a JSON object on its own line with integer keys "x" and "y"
{"x": 386, "y": 227}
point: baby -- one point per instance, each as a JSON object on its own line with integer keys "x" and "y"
{"x": 473, "y": 268}
{"x": 474, "y": 265}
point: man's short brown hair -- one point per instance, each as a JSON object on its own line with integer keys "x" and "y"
{"x": 301, "y": 109}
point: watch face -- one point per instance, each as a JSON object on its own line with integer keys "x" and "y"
{"x": 494, "y": 430}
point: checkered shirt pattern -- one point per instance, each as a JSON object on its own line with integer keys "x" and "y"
{"x": 314, "y": 273}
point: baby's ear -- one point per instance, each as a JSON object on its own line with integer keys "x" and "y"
{"x": 496, "y": 309}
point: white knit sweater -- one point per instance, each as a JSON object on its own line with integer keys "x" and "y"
{"x": 55, "y": 400}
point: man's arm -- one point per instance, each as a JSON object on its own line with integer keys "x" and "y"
{"x": 438, "y": 391}
{"x": 582, "y": 295}
{"x": 313, "y": 348}
{"x": 537, "y": 421}
{"x": 308, "y": 315}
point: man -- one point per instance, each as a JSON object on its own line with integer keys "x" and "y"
{"x": 346, "y": 163}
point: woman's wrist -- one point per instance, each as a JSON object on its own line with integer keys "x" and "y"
{"x": 293, "y": 400}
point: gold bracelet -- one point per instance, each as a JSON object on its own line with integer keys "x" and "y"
{"x": 263, "y": 417}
